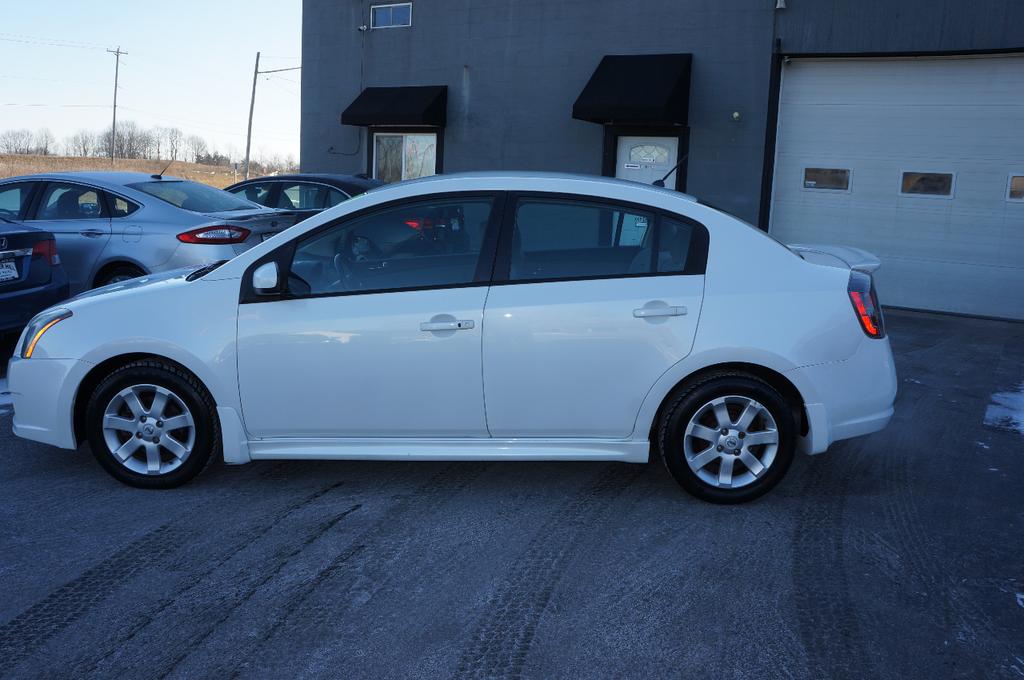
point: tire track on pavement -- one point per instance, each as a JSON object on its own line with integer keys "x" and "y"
{"x": 829, "y": 624}
{"x": 499, "y": 644}
{"x": 28, "y": 631}
{"x": 229, "y": 607}
{"x": 376, "y": 546}
{"x": 246, "y": 539}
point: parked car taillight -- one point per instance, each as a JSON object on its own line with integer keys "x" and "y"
{"x": 47, "y": 249}
{"x": 865, "y": 304}
{"x": 215, "y": 235}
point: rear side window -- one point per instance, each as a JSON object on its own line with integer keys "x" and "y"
{"x": 121, "y": 207}
{"x": 257, "y": 193}
{"x": 13, "y": 198}
{"x": 70, "y": 202}
{"x": 304, "y": 196}
{"x": 556, "y": 239}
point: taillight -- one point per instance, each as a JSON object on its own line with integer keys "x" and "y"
{"x": 865, "y": 304}
{"x": 47, "y": 249}
{"x": 215, "y": 236}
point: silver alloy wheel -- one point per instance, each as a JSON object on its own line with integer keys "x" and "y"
{"x": 149, "y": 429}
{"x": 731, "y": 442}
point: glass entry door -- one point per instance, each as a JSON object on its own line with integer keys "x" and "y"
{"x": 646, "y": 159}
{"x": 404, "y": 155}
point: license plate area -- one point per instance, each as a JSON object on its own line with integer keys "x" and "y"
{"x": 8, "y": 271}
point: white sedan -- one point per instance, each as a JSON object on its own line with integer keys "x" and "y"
{"x": 511, "y": 316}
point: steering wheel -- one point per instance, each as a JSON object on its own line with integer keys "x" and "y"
{"x": 354, "y": 249}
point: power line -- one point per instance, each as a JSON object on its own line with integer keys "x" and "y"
{"x": 50, "y": 43}
{"x": 59, "y": 106}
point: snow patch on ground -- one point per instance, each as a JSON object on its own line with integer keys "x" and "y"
{"x": 982, "y": 445}
{"x": 1020, "y": 599}
{"x": 1007, "y": 410}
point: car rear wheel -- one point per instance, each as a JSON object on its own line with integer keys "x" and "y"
{"x": 152, "y": 425}
{"x": 728, "y": 438}
{"x": 118, "y": 274}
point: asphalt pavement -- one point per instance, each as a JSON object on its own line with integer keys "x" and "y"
{"x": 897, "y": 555}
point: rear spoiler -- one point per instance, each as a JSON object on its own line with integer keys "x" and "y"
{"x": 846, "y": 257}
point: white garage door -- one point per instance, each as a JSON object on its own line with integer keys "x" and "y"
{"x": 918, "y": 160}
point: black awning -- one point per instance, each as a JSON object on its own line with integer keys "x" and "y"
{"x": 640, "y": 89}
{"x": 398, "y": 106}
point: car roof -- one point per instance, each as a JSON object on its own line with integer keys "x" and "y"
{"x": 511, "y": 180}
{"x": 347, "y": 182}
{"x": 108, "y": 177}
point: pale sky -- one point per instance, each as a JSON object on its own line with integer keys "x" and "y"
{"x": 189, "y": 65}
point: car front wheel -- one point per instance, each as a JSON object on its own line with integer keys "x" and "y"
{"x": 728, "y": 438}
{"x": 152, "y": 425}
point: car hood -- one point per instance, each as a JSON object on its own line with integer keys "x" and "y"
{"x": 173, "y": 277}
{"x": 845, "y": 257}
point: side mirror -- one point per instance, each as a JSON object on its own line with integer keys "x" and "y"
{"x": 265, "y": 280}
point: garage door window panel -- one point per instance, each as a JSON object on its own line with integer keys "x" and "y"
{"x": 1015, "y": 188}
{"x": 417, "y": 245}
{"x": 826, "y": 179}
{"x": 937, "y": 184}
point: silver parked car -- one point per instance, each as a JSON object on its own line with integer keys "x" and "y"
{"x": 112, "y": 226}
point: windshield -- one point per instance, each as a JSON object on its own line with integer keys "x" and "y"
{"x": 193, "y": 196}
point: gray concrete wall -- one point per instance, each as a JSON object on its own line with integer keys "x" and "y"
{"x": 514, "y": 67}
{"x": 854, "y": 26}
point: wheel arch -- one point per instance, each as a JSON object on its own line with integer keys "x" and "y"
{"x": 776, "y": 379}
{"x": 101, "y": 370}
{"x": 114, "y": 264}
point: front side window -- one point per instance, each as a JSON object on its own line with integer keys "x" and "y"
{"x": 193, "y": 196}
{"x": 927, "y": 183}
{"x": 13, "y": 198}
{"x": 391, "y": 16}
{"x": 398, "y": 156}
{"x": 557, "y": 239}
{"x": 70, "y": 202}
{"x": 1015, "y": 190}
{"x": 835, "y": 179}
{"x": 257, "y": 193}
{"x": 424, "y": 244}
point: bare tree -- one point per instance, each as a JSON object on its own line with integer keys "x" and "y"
{"x": 16, "y": 141}
{"x": 82, "y": 143}
{"x": 44, "y": 141}
{"x": 196, "y": 146}
{"x": 174, "y": 143}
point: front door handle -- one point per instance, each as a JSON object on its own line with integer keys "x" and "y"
{"x": 648, "y": 312}
{"x": 92, "y": 233}
{"x": 459, "y": 325}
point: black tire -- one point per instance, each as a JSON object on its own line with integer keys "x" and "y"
{"x": 121, "y": 272}
{"x": 207, "y": 443}
{"x": 690, "y": 399}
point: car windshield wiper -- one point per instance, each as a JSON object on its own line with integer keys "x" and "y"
{"x": 204, "y": 270}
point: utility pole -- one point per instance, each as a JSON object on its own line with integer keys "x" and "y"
{"x": 252, "y": 105}
{"x": 256, "y": 73}
{"x": 113, "y": 126}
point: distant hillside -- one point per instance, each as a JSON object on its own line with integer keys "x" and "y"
{"x": 20, "y": 164}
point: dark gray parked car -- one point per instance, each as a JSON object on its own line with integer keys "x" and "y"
{"x": 112, "y": 226}
{"x": 307, "y": 193}
{"x": 31, "y": 275}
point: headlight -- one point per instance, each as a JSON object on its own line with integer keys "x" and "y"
{"x": 39, "y": 324}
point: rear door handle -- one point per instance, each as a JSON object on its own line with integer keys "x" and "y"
{"x": 648, "y": 312}
{"x": 92, "y": 233}
{"x": 460, "y": 325}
